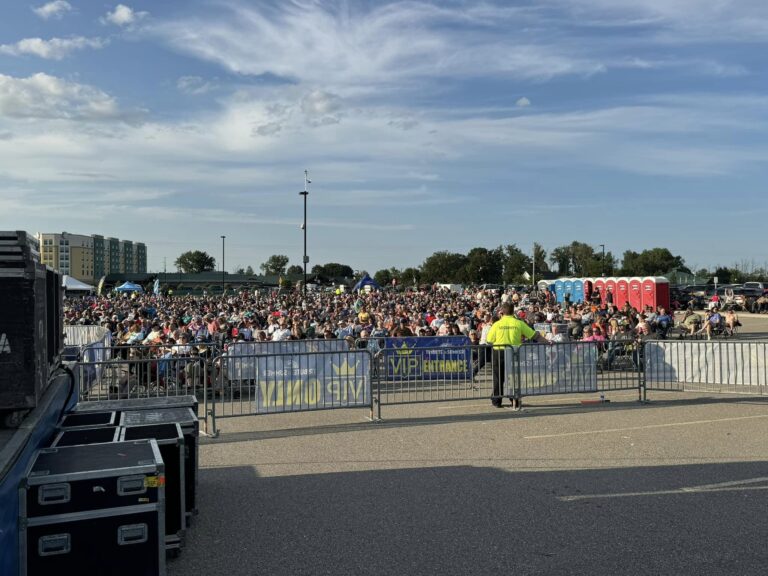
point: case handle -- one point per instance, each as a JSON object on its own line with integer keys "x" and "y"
{"x": 132, "y": 534}
{"x": 128, "y": 485}
{"x": 53, "y": 494}
{"x": 54, "y": 544}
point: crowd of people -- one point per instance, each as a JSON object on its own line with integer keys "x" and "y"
{"x": 276, "y": 316}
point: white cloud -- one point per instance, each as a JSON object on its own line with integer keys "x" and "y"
{"x": 321, "y": 108}
{"x": 123, "y": 15}
{"x": 53, "y": 49}
{"x": 522, "y": 102}
{"x": 44, "y": 96}
{"x": 194, "y": 85}
{"x": 55, "y": 9}
{"x": 366, "y": 46}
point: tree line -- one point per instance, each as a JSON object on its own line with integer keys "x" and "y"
{"x": 501, "y": 265}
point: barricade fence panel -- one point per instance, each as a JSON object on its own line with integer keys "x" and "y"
{"x": 83, "y": 335}
{"x": 710, "y": 366}
{"x": 301, "y": 381}
{"x": 558, "y": 368}
{"x": 410, "y": 371}
{"x": 116, "y": 378}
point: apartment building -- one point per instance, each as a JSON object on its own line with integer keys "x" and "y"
{"x": 88, "y": 258}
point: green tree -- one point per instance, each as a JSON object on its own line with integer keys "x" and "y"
{"x": 516, "y": 262}
{"x": 249, "y": 271}
{"x": 410, "y": 276}
{"x": 385, "y": 277}
{"x": 482, "y": 266}
{"x": 195, "y": 261}
{"x": 561, "y": 257}
{"x": 653, "y": 262}
{"x": 275, "y": 265}
{"x": 295, "y": 269}
{"x": 540, "y": 258}
{"x": 333, "y": 270}
{"x": 724, "y": 275}
{"x": 444, "y": 267}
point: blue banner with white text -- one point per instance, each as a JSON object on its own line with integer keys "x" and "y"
{"x": 428, "y": 358}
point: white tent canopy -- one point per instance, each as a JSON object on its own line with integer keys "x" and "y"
{"x": 74, "y": 285}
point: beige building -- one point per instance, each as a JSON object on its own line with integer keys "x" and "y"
{"x": 88, "y": 258}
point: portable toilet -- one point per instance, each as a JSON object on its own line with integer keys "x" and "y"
{"x": 622, "y": 292}
{"x": 600, "y": 286}
{"x": 559, "y": 290}
{"x": 578, "y": 289}
{"x": 636, "y": 293}
{"x": 610, "y": 286}
{"x": 568, "y": 288}
{"x": 656, "y": 292}
{"x": 588, "y": 286}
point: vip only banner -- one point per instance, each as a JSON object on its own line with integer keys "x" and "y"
{"x": 428, "y": 358}
{"x": 302, "y": 381}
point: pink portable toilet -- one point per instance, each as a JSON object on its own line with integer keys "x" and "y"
{"x": 588, "y": 287}
{"x": 610, "y": 286}
{"x": 622, "y": 292}
{"x": 649, "y": 292}
{"x": 636, "y": 293}
{"x": 656, "y": 292}
{"x": 600, "y": 285}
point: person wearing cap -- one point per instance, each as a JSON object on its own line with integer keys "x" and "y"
{"x": 505, "y": 332}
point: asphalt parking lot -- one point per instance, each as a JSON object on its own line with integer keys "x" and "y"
{"x": 676, "y": 486}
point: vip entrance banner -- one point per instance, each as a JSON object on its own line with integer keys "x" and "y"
{"x": 428, "y": 358}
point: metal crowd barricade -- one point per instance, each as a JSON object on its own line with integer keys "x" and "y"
{"x": 717, "y": 366}
{"x": 298, "y": 381}
{"x": 440, "y": 374}
{"x": 90, "y": 341}
{"x": 573, "y": 368}
{"x": 118, "y": 379}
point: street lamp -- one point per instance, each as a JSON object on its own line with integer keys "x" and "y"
{"x": 602, "y": 262}
{"x": 305, "y": 193}
{"x": 222, "y": 264}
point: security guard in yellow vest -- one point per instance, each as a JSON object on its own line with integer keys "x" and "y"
{"x": 507, "y": 331}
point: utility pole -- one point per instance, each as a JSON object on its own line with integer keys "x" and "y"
{"x": 223, "y": 238}
{"x": 305, "y": 193}
{"x": 602, "y": 262}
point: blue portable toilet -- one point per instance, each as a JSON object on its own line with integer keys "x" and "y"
{"x": 568, "y": 289}
{"x": 578, "y": 291}
{"x": 559, "y": 290}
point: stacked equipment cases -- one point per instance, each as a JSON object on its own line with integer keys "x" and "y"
{"x": 190, "y": 428}
{"x": 97, "y": 509}
{"x": 31, "y": 325}
{"x": 170, "y": 441}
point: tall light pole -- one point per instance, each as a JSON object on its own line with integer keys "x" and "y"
{"x": 602, "y": 262}
{"x": 305, "y": 193}
{"x": 223, "y": 238}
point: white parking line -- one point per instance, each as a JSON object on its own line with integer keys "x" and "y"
{"x": 733, "y": 486}
{"x": 646, "y": 427}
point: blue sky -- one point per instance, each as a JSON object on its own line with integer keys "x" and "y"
{"x": 425, "y": 126}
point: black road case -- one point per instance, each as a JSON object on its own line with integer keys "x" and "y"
{"x": 170, "y": 441}
{"x": 96, "y": 509}
{"x": 92, "y": 435}
{"x": 89, "y": 419}
{"x": 151, "y": 403}
{"x": 190, "y": 427}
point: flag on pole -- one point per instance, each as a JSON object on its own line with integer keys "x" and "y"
{"x": 156, "y": 288}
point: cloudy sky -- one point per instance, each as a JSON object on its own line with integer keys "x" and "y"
{"x": 425, "y": 126}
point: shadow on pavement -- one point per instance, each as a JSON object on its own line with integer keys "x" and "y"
{"x": 476, "y": 520}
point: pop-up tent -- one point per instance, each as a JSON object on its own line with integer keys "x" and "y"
{"x": 129, "y": 287}
{"x": 366, "y": 281}
{"x": 74, "y": 285}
